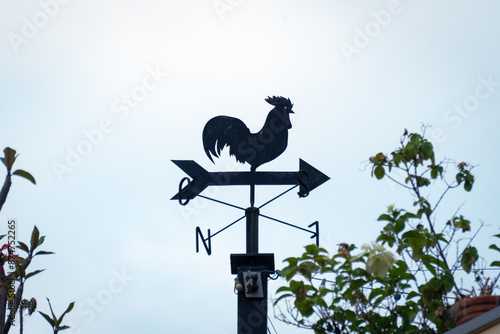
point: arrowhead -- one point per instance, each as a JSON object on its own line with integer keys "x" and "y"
{"x": 314, "y": 177}
{"x": 200, "y": 179}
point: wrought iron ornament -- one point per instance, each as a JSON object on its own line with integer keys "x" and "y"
{"x": 255, "y": 149}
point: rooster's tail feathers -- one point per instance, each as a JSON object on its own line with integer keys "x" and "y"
{"x": 224, "y": 131}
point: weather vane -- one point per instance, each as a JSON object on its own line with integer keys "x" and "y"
{"x": 256, "y": 149}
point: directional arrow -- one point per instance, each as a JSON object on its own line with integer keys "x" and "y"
{"x": 308, "y": 178}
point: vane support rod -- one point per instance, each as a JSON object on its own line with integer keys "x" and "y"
{"x": 252, "y": 216}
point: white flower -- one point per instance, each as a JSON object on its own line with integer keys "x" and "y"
{"x": 379, "y": 261}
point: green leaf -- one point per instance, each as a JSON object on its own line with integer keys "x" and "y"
{"x": 32, "y": 306}
{"x": 34, "y": 273}
{"x": 23, "y": 247}
{"x": 415, "y": 138}
{"x": 409, "y": 152}
{"x": 469, "y": 257}
{"x": 461, "y": 222}
{"x": 20, "y": 270}
{"x": 70, "y": 307}
{"x": 289, "y": 272}
{"x": 314, "y": 250}
{"x": 386, "y": 238}
{"x": 292, "y": 261}
{"x": 25, "y": 175}
{"x": 448, "y": 281}
{"x": 422, "y": 181}
{"x": 305, "y": 307}
{"x": 41, "y": 240}
{"x": 397, "y": 159}
{"x": 385, "y": 217}
{"x": 379, "y": 172}
{"x": 288, "y": 295}
{"x": 427, "y": 150}
{"x": 435, "y": 284}
{"x": 430, "y": 267}
{"x": 495, "y": 263}
{"x": 495, "y": 247}
{"x": 51, "y": 321}
{"x": 412, "y": 294}
{"x": 307, "y": 268}
{"x": 43, "y": 253}
{"x": 319, "y": 301}
{"x": 35, "y": 237}
{"x": 434, "y": 173}
{"x": 469, "y": 177}
{"x": 400, "y": 225}
{"x": 351, "y": 316}
{"x": 410, "y": 312}
{"x": 376, "y": 292}
{"x": 296, "y": 286}
{"x": 467, "y": 186}
{"x": 52, "y": 311}
{"x": 2, "y": 236}
{"x": 283, "y": 288}
{"x": 9, "y": 158}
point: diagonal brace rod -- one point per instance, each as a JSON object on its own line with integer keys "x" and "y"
{"x": 222, "y": 202}
{"x": 228, "y": 226}
{"x": 288, "y": 224}
{"x": 276, "y": 197}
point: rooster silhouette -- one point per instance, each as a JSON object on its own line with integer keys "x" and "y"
{"x": 254, "y": 148}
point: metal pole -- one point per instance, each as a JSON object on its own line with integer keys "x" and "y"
{"x": 252, "y": 215}
{"x": 252, "y": 312}
{"x": 252, "y": 309}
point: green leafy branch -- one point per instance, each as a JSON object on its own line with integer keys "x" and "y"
{"x": 54, "y": 321}
{"x": 375, "y": 291}
{"x": 20, "y": 274}
{"x": 8, "y": 160}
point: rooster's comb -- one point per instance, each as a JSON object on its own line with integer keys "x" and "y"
{"x": 279, "y": 101}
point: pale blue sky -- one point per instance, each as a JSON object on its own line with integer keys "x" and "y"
{"x": 359, "y": 73}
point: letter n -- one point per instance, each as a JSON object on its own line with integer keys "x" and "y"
{"x": 208, "y": 247}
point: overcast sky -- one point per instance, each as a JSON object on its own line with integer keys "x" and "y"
{"x": 98, "y": 97}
